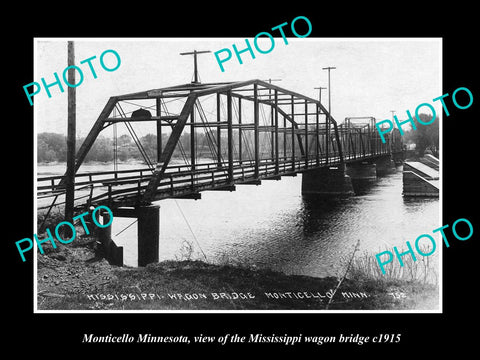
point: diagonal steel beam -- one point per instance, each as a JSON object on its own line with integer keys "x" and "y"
{"x": 92, "y": 136}
{"x": 168, "y": 150}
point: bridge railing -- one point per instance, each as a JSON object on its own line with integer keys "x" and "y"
{"x": 129, "y": 185}
{"x": 178, "y": 179}
{"x": 297, "y": 132}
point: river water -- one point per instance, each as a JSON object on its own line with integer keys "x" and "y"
{"x": 273, "y": 226}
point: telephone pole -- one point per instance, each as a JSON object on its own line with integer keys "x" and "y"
{"x": 195, "y": 68}
{"x": 329, "y": 92}
{"x": 328, "y": 119}
{"x": 71, "y": 130}
{"x": 320, "y": 93}
{"x": 270, "y": 90}
{"x": 270, "y": 80}
{"x": 329, "y": 103}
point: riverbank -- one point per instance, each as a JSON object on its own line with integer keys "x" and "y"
{"x": 77, "y": 277}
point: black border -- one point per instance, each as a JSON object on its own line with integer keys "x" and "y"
{"x": 422, "y": 332}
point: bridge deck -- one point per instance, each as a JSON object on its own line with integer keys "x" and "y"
{"x": 125, "y": 187}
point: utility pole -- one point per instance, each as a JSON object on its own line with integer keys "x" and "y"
{"x": 329, "y": 87}
{"x": 270, "y": 90}
{"x": 320, "y": 93}
{"x": 393, "y": 117}
{"x": 329, "y": 109}
{"x": 270, "y": 80}
{"x": 195, "y": 68}
{"x": 71, "y": 130}
{"x": 393, "y": 122}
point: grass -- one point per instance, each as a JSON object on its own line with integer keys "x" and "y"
{"x": 196, "y": 285}
{"x": 56, "y": 215}
{"x": 422, "y": 271}
{"x": 69, "y": 274}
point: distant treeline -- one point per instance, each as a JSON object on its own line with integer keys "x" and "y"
{"x": 53, "y": 147}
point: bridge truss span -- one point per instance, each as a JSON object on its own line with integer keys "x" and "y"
{"x": 213, "y": 136}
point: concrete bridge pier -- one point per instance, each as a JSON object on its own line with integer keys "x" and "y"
{"x": 385, "y": 165}
{"x": 148, "y": 235}
{"x": 362, "y": 170}
{"x": 112, "y": 252}
{"x": 327, "y": 181}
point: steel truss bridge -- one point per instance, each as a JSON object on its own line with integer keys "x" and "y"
{"x": 250, "y": 131}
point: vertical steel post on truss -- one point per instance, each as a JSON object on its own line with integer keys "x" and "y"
{"x": 159, "y": 129}
{"x": 339, "y": 143}
{"x": 317, "y": 153}
{"x": 276, "y": 132}
{"x": 284, "y": 138}
{"x": 328, "y": 118}
{"x": 219, "y": 133}
{"x": 230, "y": 137}
{"x": 293, "y": 132}
{"x": 317, "y": 129}
{"x": 306, "y": 134}
{"x": 240, "y": 147}
{"x": 256, "y": 135}
{"x": 71, "y": 130}
{"x": 272, "y": 126}
{"x": 272, "y": 120}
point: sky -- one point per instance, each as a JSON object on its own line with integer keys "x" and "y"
{"x": 372, "y": 77}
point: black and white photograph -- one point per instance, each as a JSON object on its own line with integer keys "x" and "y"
{"x": 287, "y": 180}
{"x": 218, "y": 180}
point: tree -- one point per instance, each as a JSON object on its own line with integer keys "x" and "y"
{"x": 51, "y": 147}
{"x": 102, "y": 150}
{"x": 124, "y": 140}
{"x": 425, "y": 137}
{"x": 149, "y": 143}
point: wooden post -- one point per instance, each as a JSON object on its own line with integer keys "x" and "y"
{"x": 71, "y": 130}
{"x": 192, "y": 146}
